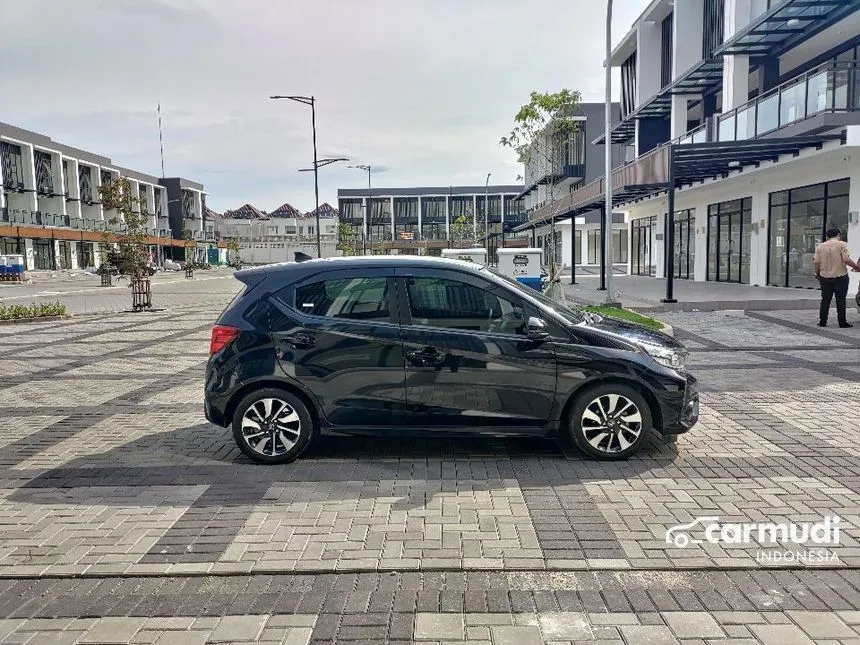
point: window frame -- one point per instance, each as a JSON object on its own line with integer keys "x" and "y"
{"x": 405, "y": 313}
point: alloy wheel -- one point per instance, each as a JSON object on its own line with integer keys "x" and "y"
{"x": 271, "y": 427}
{"x": 611, "y": 423}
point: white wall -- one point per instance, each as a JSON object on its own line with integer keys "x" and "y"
{"x": 811, "y": 167}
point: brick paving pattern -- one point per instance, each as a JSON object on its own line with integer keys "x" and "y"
{"x": 126, "y": 518}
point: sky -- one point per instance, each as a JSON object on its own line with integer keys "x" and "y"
{"x": 422, "y": 90}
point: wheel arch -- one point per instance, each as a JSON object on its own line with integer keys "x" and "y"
{"x": 242, "y": 392}
{"x": 638, "y": 386}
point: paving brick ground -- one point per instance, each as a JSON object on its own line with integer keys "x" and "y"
{"x": 125, "y": 517}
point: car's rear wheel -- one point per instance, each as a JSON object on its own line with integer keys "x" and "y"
{"x": 272, "y": 426}
{"x": 610, "y": 421}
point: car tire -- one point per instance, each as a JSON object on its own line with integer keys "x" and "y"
{"x": 609, "y": 421}
{"x": 272, "y": 426}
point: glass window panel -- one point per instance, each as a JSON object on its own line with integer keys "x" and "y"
{"x": 727, "y": 128}
{"x": 351, "y": 298}
{"x": 806, "y": 227}
{"x": 779, "y": 198}
{"x": 767, "y": 115}
{"x": 837, "y": 214}
{"x": 746, "y": 123}
{"x": 451, "y": 304}
{"x": 807, "y": 193}
{"x": 839, "y": 187}
{"x": 577, "y": 247}
{"x": 817, "y": 97}
{"x": 837, "y": 98}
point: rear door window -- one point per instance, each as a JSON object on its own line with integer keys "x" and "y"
{"x": 364, "y": 299}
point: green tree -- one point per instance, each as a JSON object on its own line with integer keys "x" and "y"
{"x": 347, "y": 236}
{"x": 463, "y": 228}
{"x": 132, "y": 221}
{"x": 233, "y": 245}
{"x": 542, "y": 131}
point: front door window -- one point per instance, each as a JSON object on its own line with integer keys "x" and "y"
{"x": 450, "y": 304}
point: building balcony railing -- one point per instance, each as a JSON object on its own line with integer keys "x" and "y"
{"x": 698, "y": 134}
{"x": 829, "y": 88}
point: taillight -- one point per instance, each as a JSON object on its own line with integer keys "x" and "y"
{"x": 222, "y": 336}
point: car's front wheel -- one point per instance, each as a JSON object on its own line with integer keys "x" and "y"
{"x": 272, "y": 426}
{"x": 610, "y": 421}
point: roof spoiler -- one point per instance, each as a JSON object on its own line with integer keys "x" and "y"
{"x": 302, "y": 257}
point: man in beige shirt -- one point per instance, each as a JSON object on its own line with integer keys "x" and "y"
{"x": 831, "y": 263}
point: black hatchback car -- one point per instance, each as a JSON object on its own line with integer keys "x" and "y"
{"x": 417, "y": 344}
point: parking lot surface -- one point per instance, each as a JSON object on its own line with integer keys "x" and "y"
{"x": 126, "y": 518}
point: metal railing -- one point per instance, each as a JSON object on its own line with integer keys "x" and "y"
{"x": 831, "y": 87}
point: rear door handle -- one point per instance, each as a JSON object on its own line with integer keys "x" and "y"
{"x": 427, "y": 357}
{"x": 300, "y": 341}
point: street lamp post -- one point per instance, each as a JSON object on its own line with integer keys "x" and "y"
{"x": 607, "y": 211}
{"x": 310, "y": 100}
{"x": 368, "y": 209}
{"x": 487, "y": 214}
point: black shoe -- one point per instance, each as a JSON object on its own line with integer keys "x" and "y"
{"x": 822, "y": 324}
{"x": 845, "y": 325}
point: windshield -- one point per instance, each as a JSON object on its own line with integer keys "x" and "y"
{"x": 570, "y": 314}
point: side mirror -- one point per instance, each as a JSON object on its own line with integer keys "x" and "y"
{"x": 536, "y": 329}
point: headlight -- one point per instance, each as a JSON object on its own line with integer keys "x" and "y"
{"x": 667, "y": 356}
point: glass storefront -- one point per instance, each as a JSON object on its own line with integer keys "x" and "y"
{"x": 379, "y": 226}
{"x": 685, "y": 244}
{"x": 43, "y": 255}
{"x": 64, "y": 258}
{"x": 642, "y": 262}
{"x": 85, "y": 255}
{"x": 433, "y": 213}
{"x": 595, "y": 252}
{"x": 729, "y": 229}
{"x": 798, "y": 219}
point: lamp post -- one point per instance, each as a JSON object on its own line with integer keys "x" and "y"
{"x": 607, "y": 211}
{"x": 487, "y": 214}
{"x": 310, "y": 100}
{"x": 315, "y": 170}
{"x": 368, "y": 209}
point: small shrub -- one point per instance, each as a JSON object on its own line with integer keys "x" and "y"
{"x": 36, "y": 310}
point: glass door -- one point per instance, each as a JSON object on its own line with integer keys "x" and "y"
{"x": 729, "y": 229}
{"x": 685, "y": 244}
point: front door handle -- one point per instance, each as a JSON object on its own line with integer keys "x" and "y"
{"x": 427, "y": 357}
{"x": 300, "y": 341}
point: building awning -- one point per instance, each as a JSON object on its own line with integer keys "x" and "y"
{"x": 675, "y": 165}
{"x": 785, "y": 25}
{"x": 698, "y": 79}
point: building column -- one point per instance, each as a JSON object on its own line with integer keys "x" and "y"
{"x": 854, "y": 223}
{"x": 449, "y": 206}
{"x": 700, "y": 227}
{"x": 759, "y": 238}
{"x": 391, "y": 207}
{"x": 29, "y": 255}
{"x": 658, "y": 246}
{"x": 736, "y": 68}
{"x": 420, "y": 230}
{"x": 28, "y": 164}
{"x": 678, "y": 126}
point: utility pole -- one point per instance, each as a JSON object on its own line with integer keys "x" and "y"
{"x": 487, "y": 214}
{"x": 607, "y": 211}
{"x": 368, "y": 210}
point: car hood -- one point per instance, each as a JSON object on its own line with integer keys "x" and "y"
{"x": 631, "y": 332}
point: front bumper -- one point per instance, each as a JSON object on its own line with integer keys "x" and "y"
{"x": 689, "y": 412}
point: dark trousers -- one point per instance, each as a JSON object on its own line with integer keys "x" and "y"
{"x": 829, "y": 288}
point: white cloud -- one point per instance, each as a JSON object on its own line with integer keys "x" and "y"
{"x": 421, "y": 88}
